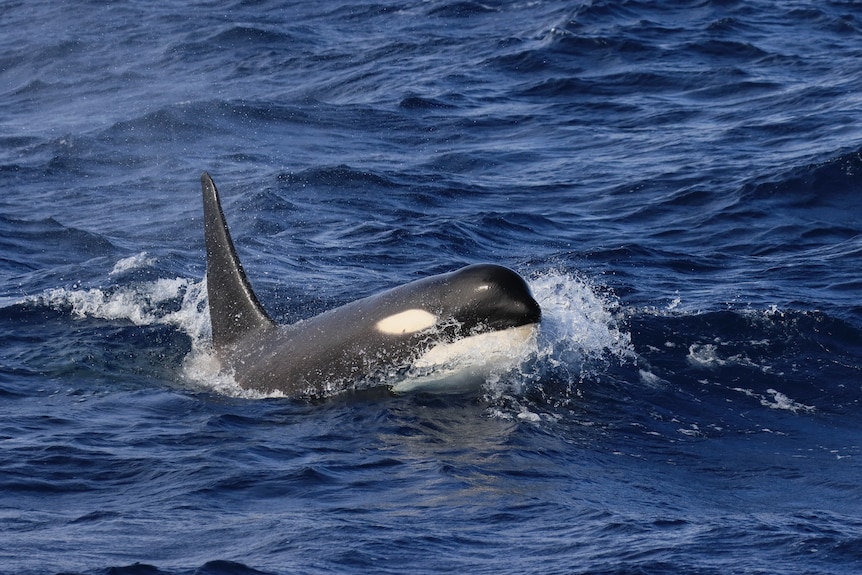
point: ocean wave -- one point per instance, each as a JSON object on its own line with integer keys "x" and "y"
{"x": 213, "y": 567}
{"x": 676, "y": 182}
{"x": 23, "y": 243}
{"x": 337, "y": 176}
{"x": 829, "y": 184}
{"x": 460, "y": 9}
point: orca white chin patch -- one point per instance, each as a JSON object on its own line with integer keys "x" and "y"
{"x": 466, "y": 363}
{"x": 409, "y": 321}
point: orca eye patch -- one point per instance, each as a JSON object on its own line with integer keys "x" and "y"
{"x": 409, "y": 321}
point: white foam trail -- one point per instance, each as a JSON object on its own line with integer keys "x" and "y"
{"x": 178, "y": 302}
{"x": 146, "y": 303}
{"x": 777, "y": 400}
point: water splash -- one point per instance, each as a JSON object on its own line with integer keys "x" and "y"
{"x": 178, "y": 302}
{"x": 581, "y": 335}
{"x": 578, "y": 321}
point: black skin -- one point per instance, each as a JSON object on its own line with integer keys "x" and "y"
{"x": 336, "y": 349}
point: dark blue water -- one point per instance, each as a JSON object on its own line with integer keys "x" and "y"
{"x": 680, "y": 183}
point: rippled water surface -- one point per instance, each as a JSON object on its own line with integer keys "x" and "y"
{"x": 679, "y": 183}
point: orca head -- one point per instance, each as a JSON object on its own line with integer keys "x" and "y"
{"x": 485, "y": 297}
{"x": 485, "y": 318}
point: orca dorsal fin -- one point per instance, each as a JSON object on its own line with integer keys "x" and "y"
{"x": 234, "y": 309}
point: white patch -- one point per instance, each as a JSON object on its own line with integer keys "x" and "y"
{"x": 409, "y": 321}
{"x": 469, "y": 362}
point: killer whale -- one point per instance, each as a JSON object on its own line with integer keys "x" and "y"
{"x": 371, "y": 341}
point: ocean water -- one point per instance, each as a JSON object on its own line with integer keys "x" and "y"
{"x": 679, "y": 182}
